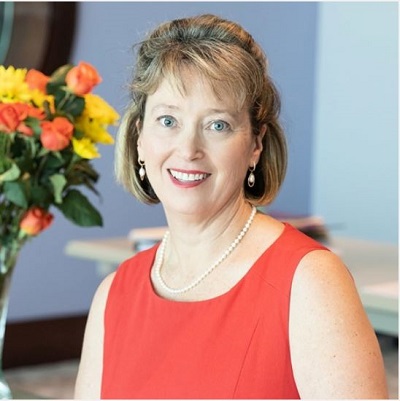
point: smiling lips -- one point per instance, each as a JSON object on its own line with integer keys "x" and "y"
{"x": 188, "y": 178}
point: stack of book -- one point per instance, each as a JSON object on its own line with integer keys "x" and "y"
{"x": 313, "y": 226}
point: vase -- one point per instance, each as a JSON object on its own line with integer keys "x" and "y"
{"x": 8, "y": 258}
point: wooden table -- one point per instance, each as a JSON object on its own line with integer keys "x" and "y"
{"x": 373, "y": 265}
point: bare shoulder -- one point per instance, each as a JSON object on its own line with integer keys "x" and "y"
{"x": 88, "y": 381}
{"x": 335, "y": 353}
{"x": 321, "y": 268}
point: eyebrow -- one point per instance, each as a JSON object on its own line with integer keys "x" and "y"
{"x": 164, "y": 106}
{"x": 219, "y": 111}
{"x": 173, "y": 107}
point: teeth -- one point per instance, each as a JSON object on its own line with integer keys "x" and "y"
{"x": 187, "y": 177}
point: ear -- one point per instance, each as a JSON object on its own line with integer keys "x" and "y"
{"x": 258, "y": 144}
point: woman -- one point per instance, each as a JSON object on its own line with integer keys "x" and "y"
{"x": 232, "y": 303}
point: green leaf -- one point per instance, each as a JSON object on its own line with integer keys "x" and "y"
{"x": 78, "y": 134}
{"x": 5, "y": 164}
{"x": 57, "y": 79}
{"x": 61, "y": 72}
{"x": 54, "y": 161}
{"x": 75, "y": 107}
{"x": 34, "y": 123}
{"x": 41, "y": 195}
{"x": 15, "y": 192}
{"x": 43, "y": 152}
{"x": 18, "y": 146}
{"x": 58, "y": 182}
{"x": 11, "y": 174}
{"x": 69, "y": 103}
{"x": 4, "y": 146}
{"x": 60, "y": 97}
{"x": 87, "y": 169}
{"x": 77, "y": 208}
{"x": 81, "y": 172}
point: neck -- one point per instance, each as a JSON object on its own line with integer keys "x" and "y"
{"x": 205, "y": 249}
{"x": 193, "y": 229}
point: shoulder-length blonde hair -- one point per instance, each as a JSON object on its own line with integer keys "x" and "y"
{"x": 229, "y": 58}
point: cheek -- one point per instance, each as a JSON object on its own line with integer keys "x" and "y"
{"x": 154, "y": 153}
{"x": 149, "y": 145}
{"x": 235, "y": 165}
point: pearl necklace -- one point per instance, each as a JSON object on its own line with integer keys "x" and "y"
{"x": 231, "y": 247}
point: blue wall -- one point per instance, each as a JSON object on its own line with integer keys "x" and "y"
{"x": 46, "y": 282}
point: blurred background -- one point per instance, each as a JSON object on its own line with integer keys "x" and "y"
{"x": 336, "y": 67}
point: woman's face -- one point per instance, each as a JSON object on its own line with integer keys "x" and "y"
{"x": 197, "y": 148}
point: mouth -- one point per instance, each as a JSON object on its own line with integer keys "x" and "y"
{"x": 186, "y": 177}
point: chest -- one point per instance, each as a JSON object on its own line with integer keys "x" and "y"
{"x": 234, "y": 348}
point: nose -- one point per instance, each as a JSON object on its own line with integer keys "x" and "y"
{"x": 191, "y": 146}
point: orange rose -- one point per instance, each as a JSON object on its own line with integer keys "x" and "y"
{"x": 56, "y": 134}
{"x": 24, "y": 129}
{"x": 9, "y": 118}
{"x": 35, "y": 220}
{"x": 35, "y": 112}
{"x": 37, "y": 80}
{"x": 26, "y": 110}
{"x": 22, "y": 110}
{"x": 12, "y": 117}
{"x": 82, "y": 78}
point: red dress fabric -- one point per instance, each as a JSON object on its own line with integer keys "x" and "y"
{"x": 233, "y": 346}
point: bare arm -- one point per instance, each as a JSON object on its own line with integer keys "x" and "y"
{"x": 88, "y": 383}
{"x": 335, "y": 352}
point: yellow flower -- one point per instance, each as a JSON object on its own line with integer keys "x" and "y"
{"x": 38, "y": 98}
{"x": 95, "y": 118}
{"x": 94, "y": 130}
{"x": 99, "y": 110}
{"x": 13, "y": 87}
{"x": 85, "y": 148}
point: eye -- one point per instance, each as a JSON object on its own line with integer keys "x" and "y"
{"x": 167, "y": 121}
{"x": 220, "y": 126}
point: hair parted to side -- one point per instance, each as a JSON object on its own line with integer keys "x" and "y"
{"x": 232, "y": 62}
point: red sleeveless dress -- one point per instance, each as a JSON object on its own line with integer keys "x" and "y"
{"x": 233, "y": 346}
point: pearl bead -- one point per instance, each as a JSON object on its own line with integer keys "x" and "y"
{"x": 228, "y": 251}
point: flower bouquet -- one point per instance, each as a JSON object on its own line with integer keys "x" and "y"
{"x": 50, "y": 127}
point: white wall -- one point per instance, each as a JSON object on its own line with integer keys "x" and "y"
{"x": 355, "y": 171}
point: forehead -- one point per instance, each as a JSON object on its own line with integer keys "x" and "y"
{"x": 192, "y": 86}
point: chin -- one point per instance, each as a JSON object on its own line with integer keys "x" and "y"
{"x": 188, "y": 207}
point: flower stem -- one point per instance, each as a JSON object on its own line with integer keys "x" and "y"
{"x": 4, "y": 150}
{"x": 8, "y": 256}
{"x": 64, "y": 100}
